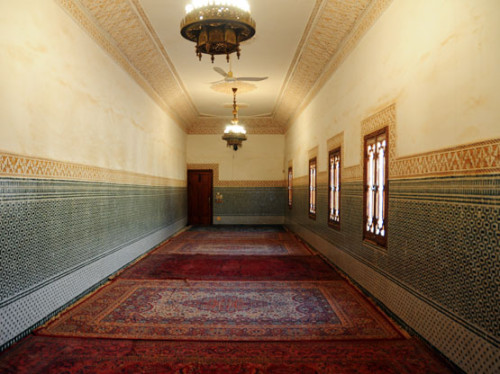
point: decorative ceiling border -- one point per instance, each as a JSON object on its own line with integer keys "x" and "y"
{"x": 253, "y": 125}
{"x": 136, "y": 48}
{"x": 336, "y": 30}
{"x": 235, "y": 183}
{"x": 18, "y": 166}
{"x": 300, "y": 48}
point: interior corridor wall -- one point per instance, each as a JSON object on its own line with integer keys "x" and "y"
{"x": 427, "y": 70}
{"x": 248, "y": 183}
{"x": 93, "y": 171}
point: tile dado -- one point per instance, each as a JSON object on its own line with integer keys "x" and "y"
{"x": 250, "y": 201}
{"x": 58, "y": 239}
{"x": 443, "y": 249}
{"x": 50, "y": 227}
{"x": 18, "y": 166}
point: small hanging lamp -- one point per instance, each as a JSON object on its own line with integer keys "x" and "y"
{"x": 234, "y": 134}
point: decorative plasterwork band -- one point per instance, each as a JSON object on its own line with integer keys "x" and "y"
{"x": 235, "y": 183}
{"x": 253, "y": 125}
{"x": 121, "y": 28}
{"x": 475, "y": 158}
{"x": 321, "y": 178}
{"x": 16, "y": 166}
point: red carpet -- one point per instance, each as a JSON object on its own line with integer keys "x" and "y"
{"x": 223, "y": 300}
{"x": 208, "y": 267}
{"x": 49, "y": 355}
{"x": 225, "y": 311}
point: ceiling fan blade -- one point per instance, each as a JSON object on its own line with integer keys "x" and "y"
{"x": 251, "y": 78}
{"x": 222, "y": 80}
{"x": 220, "y": 71}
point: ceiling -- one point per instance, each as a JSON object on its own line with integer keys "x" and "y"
{"x": 298, "y": 44}
{"x": 269, "y": 53}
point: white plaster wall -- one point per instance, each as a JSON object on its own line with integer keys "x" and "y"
{"x": 437, "y": 59}
{"x": 260, "y": 157}
{"x": 64, "y": 98}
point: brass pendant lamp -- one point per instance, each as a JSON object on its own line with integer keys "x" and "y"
{"x": 218, "y": 26}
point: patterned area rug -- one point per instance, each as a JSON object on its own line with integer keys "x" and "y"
{"x": 225, "y": 311}
{"x": 257, "y": 247}
{"x": 48, "y": 355}
{"x": 208, "y": 267}
{"x": 234, "y": 235}
{"x": 239, "y": 228}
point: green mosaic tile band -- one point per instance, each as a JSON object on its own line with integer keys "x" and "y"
{"x": 48, "y": 228}
{"x": 443, "y": 242}
{"x": 250, "y": 201}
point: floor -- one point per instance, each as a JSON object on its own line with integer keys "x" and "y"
{"x": 224, "y": 299}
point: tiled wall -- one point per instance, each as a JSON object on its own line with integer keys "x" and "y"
{"x": 442, "y": 257}
{"x": 249, "y": 205}
{"x": 59, "y": 238}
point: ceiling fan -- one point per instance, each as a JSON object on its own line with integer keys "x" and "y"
{"x": 229, "y": 77}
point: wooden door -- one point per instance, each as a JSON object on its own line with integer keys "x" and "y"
{"x": 200, "y": 197}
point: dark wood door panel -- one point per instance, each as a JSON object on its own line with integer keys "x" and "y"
{"x": 200, "y": 197}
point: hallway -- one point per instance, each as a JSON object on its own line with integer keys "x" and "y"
{"x": 224, "y": 299}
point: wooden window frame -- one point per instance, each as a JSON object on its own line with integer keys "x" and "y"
{"x": 379, "y": 240}
{"x": 313, "y": 188}
{"x": 290, "y": 187}
{"x": 331, "y": 178}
